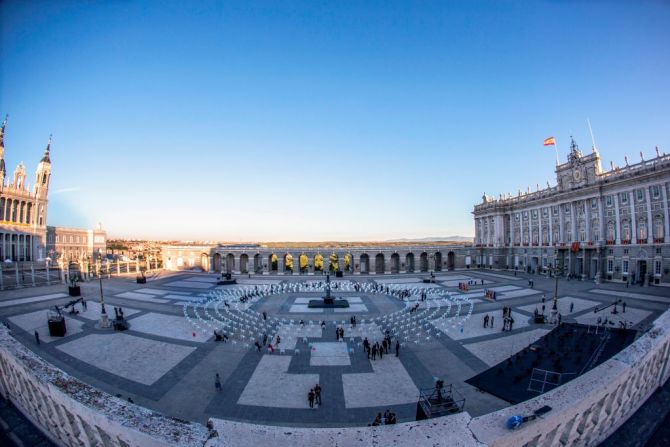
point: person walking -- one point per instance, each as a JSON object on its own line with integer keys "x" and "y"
{"x": 310, "y": 398}
{"x": 397, "y": 348}
{"x": 486, "y": 320}
{"x": 491, "y": 321}
{"x": 217, "y": 382}
{"x": 623, "y": 305}
{"x": 37, "y": 337}
{"x": 381, "y": 351}
{"x": 374, "y": 352}
{"x": 317, "y": 394}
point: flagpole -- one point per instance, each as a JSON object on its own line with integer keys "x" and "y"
{"x": 556, "y": 149}
{"x": 593, "y": 140}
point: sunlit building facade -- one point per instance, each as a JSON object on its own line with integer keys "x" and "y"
{"x": 23, "y": 209}
{"x": 603, "y": 225}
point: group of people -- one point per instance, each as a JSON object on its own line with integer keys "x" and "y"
{"x": 271, "y": 347}
{"x": 464, "y": 286}
{"x": 508, "y": 321}
{"x": 314, "y": 396}
{"x": 488, "y": 320}
{"x": 339, "y": 333}
{"x": 491, "y": 294}
{"x": 389, "y": 418}
{"x": 352, "y": 320}
{"x": 379, "y": 349}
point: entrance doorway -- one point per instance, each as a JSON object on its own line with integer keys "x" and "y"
{"x": 641, "y": 272}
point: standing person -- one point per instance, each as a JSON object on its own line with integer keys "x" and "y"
{"x": 310, "y": 398}
{"x": 265, "y": 339}
{"x": 623, "y": 305}
{"x": 384, "y": 345}
{"x": 486, "y": 320}
{"x": 337, "y": 333}
{"x": 37, "y": 337}
{"x": 217, "y": 382}
{"x": 572, "y": 306}
{"x": 278, "y": 341}
{"x": 83, "y": 304}
{"x": 492, "y": 317}
{"x": 366, "y": 346}
{"x": 374, "y": 352}
{"x": 317, "y": 394}
{"x": 397, "y": 348}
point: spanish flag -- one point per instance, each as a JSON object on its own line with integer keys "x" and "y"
{"x": 551, "y": 141}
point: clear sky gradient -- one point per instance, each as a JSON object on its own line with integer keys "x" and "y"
{"x": 320, "y": 120}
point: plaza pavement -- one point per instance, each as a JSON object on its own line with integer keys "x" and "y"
{"x": 167, "y": 359}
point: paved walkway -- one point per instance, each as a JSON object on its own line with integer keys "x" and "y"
{"x": 167, "y": 359}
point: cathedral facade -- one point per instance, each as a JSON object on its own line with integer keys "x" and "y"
{"x": 23, "y": 208}
{"x": 594, "y": 224}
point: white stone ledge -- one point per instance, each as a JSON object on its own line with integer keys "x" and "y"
{"x": 36, "y": 387}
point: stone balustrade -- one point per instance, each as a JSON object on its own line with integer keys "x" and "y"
{"x": 584, "y": 412}
{"x": 72, "y": 413}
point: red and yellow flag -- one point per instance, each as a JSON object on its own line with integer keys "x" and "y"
{"x": 551, "y": 141}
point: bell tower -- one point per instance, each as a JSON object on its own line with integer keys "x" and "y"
{"x": 43, "y": 174}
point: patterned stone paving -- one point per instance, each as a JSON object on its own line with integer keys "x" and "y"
{"x": 162, "y": 365}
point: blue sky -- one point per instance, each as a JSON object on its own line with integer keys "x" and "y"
{"x": 320, "y": 120}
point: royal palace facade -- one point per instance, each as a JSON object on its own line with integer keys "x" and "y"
{"x": 602, "y": 225}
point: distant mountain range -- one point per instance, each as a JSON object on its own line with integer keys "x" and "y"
{"x": 434, "y": 239}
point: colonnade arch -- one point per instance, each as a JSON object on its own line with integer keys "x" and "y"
{"x": 409, "y": 262}
{"x": 379, "y": 264}
{"x": 423, "y": 262}
{"x": 230, "y": 263}
{"x": 318, "y": 262}
{"x": 288, "y": 262}
{"x": 365, "y": 263}
{"x": 333, "y": 263}
{"x": 438, "y": 262}
{"x": 392, "y": 260}
{"x": 395, "y": 263}
{"x": 244, "y": 263}
{"x": 304, "y": 263}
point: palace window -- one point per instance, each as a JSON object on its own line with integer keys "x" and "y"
{"x": 545, "y": 212}
{"x": 658, "y": 228}
{"x": 554, "y": 210}
{"x": 624, "y": 266}
{"x": 625, "y": 231}
{"x": 640, "y": 195}
{"x": 623, "y": 198}
{"x": 594, "y": 203}
{"x": 642, "y": 229}
{"x": 534, "y": 214}
{"x": 611, "y": 231}
{"x": 609, "y": 201}
{"x": 655, "y": 191}
{"x": 610, "y": 265}
{"x": 657, "y": 267}
{"x": 557, "y": 235}
{"x": 566, "y": 209}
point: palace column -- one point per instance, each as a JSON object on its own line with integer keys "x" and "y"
{"x": 633, "y": 218}
{"x": 666, "y": 219}
{"x": 617, "y": 230}
{"x": 650, "y": 222}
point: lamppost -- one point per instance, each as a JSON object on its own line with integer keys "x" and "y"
{"x": 553, "y": 319}
{"x": 104, "y": 318}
